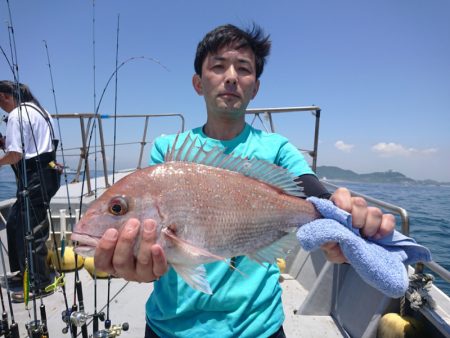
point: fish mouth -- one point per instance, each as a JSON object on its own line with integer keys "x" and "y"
{"x": 84, "y": 239}
{"x": 85, "y": 244}
{"x": 84, "y": 250}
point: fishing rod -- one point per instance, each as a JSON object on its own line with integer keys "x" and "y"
{"x": 29, "y": 264}
{"x": 4, "y": 325}
{"x": 13, "y": 329}
{"x": 6, "y": 329}
{"x": 67, "y": 312}
{"x": 108, "y": 302}
{"x": 35, "y": 328}
{"x": 78, "y": 317}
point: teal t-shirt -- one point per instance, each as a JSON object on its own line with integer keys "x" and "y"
{"x": 244, "y": 303}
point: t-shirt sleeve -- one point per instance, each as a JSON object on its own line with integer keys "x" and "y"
{"x": 291, "y": 158}
{"x": 13, "y": 135}
{"x": 158, "y": 150}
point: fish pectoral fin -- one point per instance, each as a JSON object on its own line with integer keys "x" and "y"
{"x": 279, "y": 249}
{"x": 199, "y": 255}
{"x": 194, "y": 276}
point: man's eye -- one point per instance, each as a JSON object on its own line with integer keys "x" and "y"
{"x": 244, "y": 70}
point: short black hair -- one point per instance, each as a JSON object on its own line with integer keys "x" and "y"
{"x": 225, "y": 35}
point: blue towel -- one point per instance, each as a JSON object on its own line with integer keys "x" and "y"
{"x": 380, "y": 263}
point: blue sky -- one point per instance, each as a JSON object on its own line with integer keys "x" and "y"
{"x": 380, "y": 70}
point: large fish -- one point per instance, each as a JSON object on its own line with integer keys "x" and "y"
{"x": 208, "y": 206}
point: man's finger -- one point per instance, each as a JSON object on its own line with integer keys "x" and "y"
{"x": 333, "y": 252}
{"x": 123, "y": 259}
{"x": 359, "y": 212}
{"x": 159, "y": 261}
{"x": 386, "y": 227}
{"x": 373, "y": 222}
{"x": 144, "y": 260}
{"x": 105, "y": 251}
{"x": 342, "y": 199}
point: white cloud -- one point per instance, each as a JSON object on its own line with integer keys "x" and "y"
{"x": 342, "y": 146}
{"x": 393, "y": 149}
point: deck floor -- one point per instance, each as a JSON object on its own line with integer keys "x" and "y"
{"x": 302, "y": 326}
{"x": 128, "y": 301}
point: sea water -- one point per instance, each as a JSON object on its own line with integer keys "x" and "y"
{"x": 428, "y": 208}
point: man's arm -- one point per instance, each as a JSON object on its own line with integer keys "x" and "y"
{"x": 11, "y": 157}
{"x": 312, "y": 186}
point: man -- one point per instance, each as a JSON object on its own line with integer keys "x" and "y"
{"x": 228, "y": 64}
{"x": 30, "y": 149}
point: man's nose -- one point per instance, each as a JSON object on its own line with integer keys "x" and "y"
{"x": 231, "y": 76}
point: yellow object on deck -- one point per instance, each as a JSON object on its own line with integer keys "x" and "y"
{"x": 68, "y": 261}
{"x": 392, "y": 325}
{"x": 281, "y": 264}
{"x": 89, "y": 266}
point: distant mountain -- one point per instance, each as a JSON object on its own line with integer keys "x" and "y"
{"x": 390, "y": 176}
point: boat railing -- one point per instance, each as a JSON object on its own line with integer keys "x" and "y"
{"x": 404, "y": 217}
{"x": 89, "y": 122}
{"x": 262, "y": 114}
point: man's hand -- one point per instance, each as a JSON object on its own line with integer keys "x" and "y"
{"x": 370, "y": 221}
{"x": 115, "y": 253}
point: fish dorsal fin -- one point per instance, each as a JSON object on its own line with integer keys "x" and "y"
{"x": 278, "y": 249}
{"x": 261, "y": 170}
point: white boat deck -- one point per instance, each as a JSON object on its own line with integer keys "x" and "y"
{"x": 128, "y": 303}
{"x": 303, "y": 326}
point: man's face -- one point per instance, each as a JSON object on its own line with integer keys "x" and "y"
{"x": 228, "y": 81}
{"x": 6, "y": 102}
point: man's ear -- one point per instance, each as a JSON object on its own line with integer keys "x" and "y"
{"x": 255, "y": 90}
{"x": 197, "y": 83}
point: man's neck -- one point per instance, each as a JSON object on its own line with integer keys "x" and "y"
{"x": 224, "y": 129}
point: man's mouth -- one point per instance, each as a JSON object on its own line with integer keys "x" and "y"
{"x": 230, "y": 95}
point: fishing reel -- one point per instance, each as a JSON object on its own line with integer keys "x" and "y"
{"x": 36, "y": 329}
{"x": 75, "y": 318}
{"x": 114, "y": 331}
{"x": 9, "y": 331}
{"x": 79, "y": 318}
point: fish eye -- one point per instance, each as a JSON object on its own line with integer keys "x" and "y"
{"x": 118, "y": 206}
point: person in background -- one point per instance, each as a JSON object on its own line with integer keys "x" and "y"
{"x": 228, "y": 64}
{"x": 30, "y": 147}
